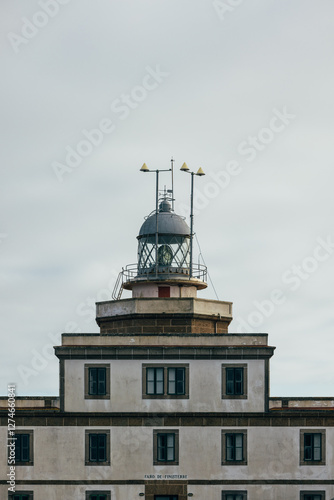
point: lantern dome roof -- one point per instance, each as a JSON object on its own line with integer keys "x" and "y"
{"x": 168, "y": 223}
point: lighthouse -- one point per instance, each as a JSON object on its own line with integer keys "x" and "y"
{"x": 165, "y": 280}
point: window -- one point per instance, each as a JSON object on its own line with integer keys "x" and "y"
{"x": 154, "y": 381}
{"x": 234, "y": 495}
{"x": 97, "y": 381}
{"x": 176, "y": 381}
{"x": 166, "y": 381}
{"x": 312, "y": 495}
{"x": 165, "y": 447}
{"x": 97, "y": 495}
{"x": 24, "y": 448}
{"x": 97, "y": 447}
{"x": 234, "y": 447}
{"x": 234, "y": 381}
{"x": 21, "y": 495}
{"x": 312, "y": 447}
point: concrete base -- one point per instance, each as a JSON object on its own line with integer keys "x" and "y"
{"x": 171, "y": 315}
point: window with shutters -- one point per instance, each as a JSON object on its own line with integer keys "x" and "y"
{"x": 97, "y": 447}
{"x": 234, "y": 381}
{"x": 234, "y": 495}
{"x": 24, "y": 447}
{"x": 312, "y": 447}
{"x": 234, "y": 447}
{"x": 163, "y": 381}
{"x": 176, "y": 381}
{"x": 97, "y": 381}
{"x": 165, "y": 447}
{"x": 154, "y": 381}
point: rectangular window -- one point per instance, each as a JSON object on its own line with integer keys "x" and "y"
{"x": 97, "y": 495}
{"x": 154, "y": 381}
{"x": 97, "y": 381}
{"x": 21, "y": 495}
{"x": 312, "y": 447}
{"x": 312, "y": 495}
{"x": 97, "y": 447}
{"x": 176, "y": 380}
{"x": 234, "y": 447}
{"x": 234, "y": 495}
{"x": 23, "y": 447}
{"x": 234, "y": 381}
{"x": 165, "y": 381}
{"x": 165, "y": 447}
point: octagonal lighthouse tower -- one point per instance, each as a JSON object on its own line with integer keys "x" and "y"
{"x": 164, "y": 281}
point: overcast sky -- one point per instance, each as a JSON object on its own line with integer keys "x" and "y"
{"x": 243, "y": 89}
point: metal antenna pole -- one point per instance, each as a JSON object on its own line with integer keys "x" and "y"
{"x": 172, "y": 164}
{"x": 156, "y": 222}
{"x": 191, "y": 223}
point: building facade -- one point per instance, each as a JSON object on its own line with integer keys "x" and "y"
{"x": 164, "y": 402}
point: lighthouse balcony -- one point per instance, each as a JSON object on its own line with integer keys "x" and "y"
{"x": 132, "y": 274}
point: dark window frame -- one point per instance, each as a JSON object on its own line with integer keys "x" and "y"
{"x": 305, "y": 494}
{"x": 90, "y": 366}
{"x": 322, "y": 433}
{"x": 11, "y": 495}
{"x": 90, "y": 494}
{"x": 88, "y": 436}
{"x": 177, "y": 382}
{"x": 30, "y": 460}
{"x": 157, "y": 371}
{"x": 244, "y": 367}
{"x": 165, "y": 432}
{"x": 166, "y": 381}
{"x": 228, "y": 432}
{"x": 234, "y": 492}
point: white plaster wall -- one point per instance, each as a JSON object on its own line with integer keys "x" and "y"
{"x": 273, "y": 453}
{"x": 126, "y": 388}
{"x": 152, "y": 290}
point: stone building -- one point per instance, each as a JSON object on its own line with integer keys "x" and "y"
{"x": 165, "y": 403}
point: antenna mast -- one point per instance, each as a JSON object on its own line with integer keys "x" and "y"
{"x": 172, "y": 169}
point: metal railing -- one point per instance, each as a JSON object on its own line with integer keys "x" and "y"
{"x": 132, "y": 273}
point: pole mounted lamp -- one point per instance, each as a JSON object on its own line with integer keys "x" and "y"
{"x": 145, "y": 168}
{"x": 200, "y": 173}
